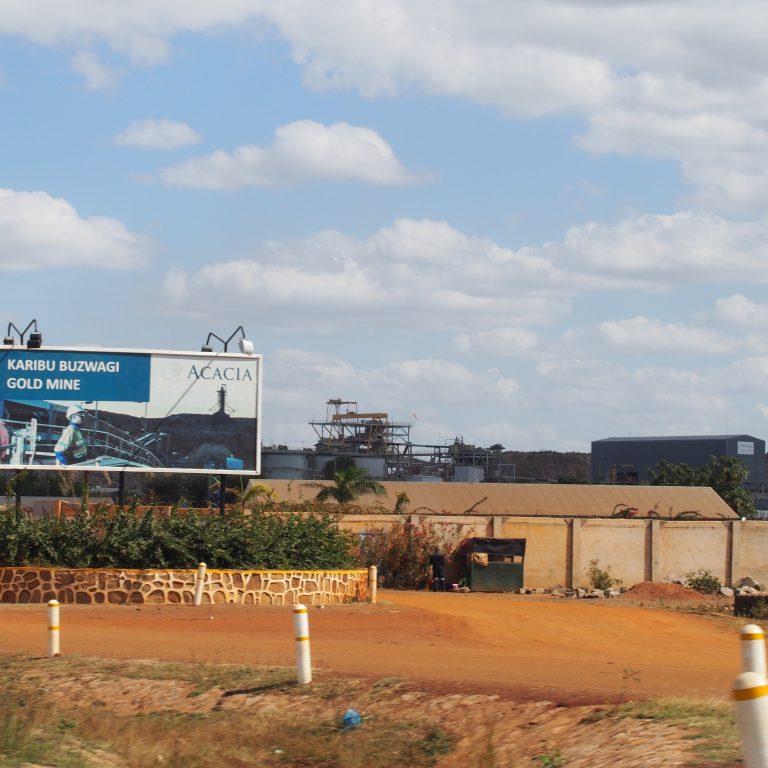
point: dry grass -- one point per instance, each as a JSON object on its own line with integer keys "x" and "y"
{"x": 711, "y": 725}
{"x": 97, "y": 713}
{"x": 37, "y": 726}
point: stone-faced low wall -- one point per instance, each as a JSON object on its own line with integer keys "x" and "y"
{"x": 91, "y": 586}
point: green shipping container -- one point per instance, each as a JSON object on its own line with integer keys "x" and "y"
{"x": 494, "y": 565}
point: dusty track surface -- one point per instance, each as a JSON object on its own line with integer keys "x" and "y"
{"x": 564, "y": 651}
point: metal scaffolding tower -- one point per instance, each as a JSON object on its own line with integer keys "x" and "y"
{"x": 345, "y": 430}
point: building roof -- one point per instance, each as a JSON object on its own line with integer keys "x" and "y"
{"x": 670, "y": 438}
{"x": 523, "y": 499}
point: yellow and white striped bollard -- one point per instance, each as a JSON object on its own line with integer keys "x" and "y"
{"x": 301, "y": 631}
{"x": 750, "y": 693}
{"x": 54, "y": 629}
{"x": 753, "y": 650}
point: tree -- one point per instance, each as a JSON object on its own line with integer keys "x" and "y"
{"x": 667, "y": 473}
{"x": 349, "y": 483}
{"x": 254, "y": 496}
{"x": 334, "y": 465}
{"x": 725, "y": 475}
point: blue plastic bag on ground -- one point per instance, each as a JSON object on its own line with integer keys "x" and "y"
{"x": 351, "y": 719}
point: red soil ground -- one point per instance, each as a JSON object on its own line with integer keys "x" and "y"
{"x": 566, "y": 651}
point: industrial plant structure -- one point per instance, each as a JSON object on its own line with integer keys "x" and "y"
{"x": 384, "y": 448}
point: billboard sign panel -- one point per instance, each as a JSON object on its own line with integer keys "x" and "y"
{"x": 138, "y": 410}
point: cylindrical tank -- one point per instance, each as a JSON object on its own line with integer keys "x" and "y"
{"x": 284, "y": 465}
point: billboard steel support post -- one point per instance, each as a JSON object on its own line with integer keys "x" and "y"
{"x": 19, "y": 473}
{"x": 222, "y": 494}
{"x": 121, "y": 491}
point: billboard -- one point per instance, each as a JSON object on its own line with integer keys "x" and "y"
{"x": 136, "y": 410}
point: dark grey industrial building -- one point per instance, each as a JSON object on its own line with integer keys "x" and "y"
{"x": 626, "y": 460}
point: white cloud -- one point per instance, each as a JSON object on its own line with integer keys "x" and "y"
{"x": 437, "y": 380}
{"x": 157, "y": 134}
{"x": 654, "y": 78}
{"x": 398, "y": 276}
{"x": 643, "y": 333}
{"x": 38, "y": 231}
{"x": 139, "y": 29}
{"x": 302, "y": 151}
{"x": 403, "y": 386}
{"x": 98, "y": 76}
{"x": 297, "y": 364}
{"x": 676, "y": 80}
{"x": 667, "y": 250}
{"x": 740, "y": 311}
{"x": 429, "y": 273}
{"x": 501, "y": 342}
{"x": 720, "y": 154}
{"x": 649, "y": 400}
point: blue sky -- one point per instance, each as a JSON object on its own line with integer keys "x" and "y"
{"x": 535, "y": 224}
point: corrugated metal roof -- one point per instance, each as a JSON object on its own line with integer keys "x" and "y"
{"x": 531, "y": 499}
{"x": 671, "y": 438}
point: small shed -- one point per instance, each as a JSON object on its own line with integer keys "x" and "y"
{"x": 493, "y": 565}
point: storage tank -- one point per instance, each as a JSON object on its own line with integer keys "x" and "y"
{"x": 468, "y": 475}
{"x": 375, "y": 465}
{"x": 284, "y": 465}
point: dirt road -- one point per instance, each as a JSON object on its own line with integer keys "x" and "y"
{"x": 561, "y": 650}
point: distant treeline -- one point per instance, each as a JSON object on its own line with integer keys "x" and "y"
{"x": 550, "y": 466}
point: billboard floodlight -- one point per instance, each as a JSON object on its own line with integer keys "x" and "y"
{"x": 35, "y": 340}
{"x": 246, "y": 346}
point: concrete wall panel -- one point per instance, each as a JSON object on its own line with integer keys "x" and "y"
{"x": 546, "y": 548}
{"x": 752, "y": 555}
{"x": 619, "y": 546}
{"x": 693, "y": 546}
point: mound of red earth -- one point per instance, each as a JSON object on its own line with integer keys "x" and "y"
{"x": 670, "y": 593}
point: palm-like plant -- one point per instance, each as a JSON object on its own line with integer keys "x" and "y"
{"x": 254, "y": 495}
{"x": 349, "y": 483}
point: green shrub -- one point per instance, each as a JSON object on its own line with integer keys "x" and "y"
{"x": 304, "y": 536}
{"x": 758, "y": 611}
{"x": 600, "y": 578}
{"x": 402, "y": 552}
{"x": 703, "y": 581}
{"x": 555, "y": 760}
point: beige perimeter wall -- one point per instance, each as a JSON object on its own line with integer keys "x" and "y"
{"x": 559, "y": 550}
